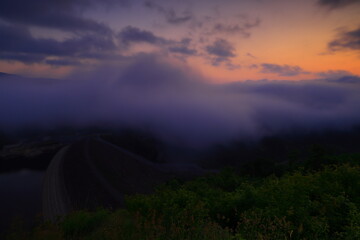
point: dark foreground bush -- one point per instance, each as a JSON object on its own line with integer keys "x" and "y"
{"x": 300, "y": 205}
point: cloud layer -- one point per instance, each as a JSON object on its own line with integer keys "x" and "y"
{"x": 69, "y": 33}
{"x": 62, "y": 15}
{"x": 282, "y": 70}
{"x": 347, "y": 40}
{"x": 17, "y": 43}
{"x": 333, "y": 4}
{"x": 177, "y": 104}
{"x": 170, "y": 14}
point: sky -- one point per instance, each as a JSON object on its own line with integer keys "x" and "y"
{"x": 224, "y": 40}
{"x": 177, "y": 104}
{"x": 193, "y": 73}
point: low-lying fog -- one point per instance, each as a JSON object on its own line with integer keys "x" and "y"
{"x": 178, "y": 104}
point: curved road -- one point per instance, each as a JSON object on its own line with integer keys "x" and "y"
{"x": 55, "y": 199}
{"x": 93, "y": 173}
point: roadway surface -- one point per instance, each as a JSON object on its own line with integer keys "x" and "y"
{"x": 93, "y": 173}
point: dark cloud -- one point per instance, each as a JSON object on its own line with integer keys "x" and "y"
{"x": 333, "y": 4}
{"x": 349, "y": 40}
{"x": 242, "y": 29}
{"x": 221, "y": 51}
{"x": 3, "y": 75}
{"x": 183, "y": 47}
{"x": 17, "y": 44}
{"x": 170, "y": 14}
{"x": 63, "y": 15}
{"x": 346, "y": 79}
{"x": 19, "y": 40}
{"x": 79, "y": 37}
{"x": 282, "y": 70}
{"x": 22, "y": 57}
{"x": 183, "y": 50}
{"x": 132, "y": 34}
{"x": 62, "y": 62}
{"x": 221, "y": 48}
{"x": 88, "y": 38}
{"x": 334, "y": 74}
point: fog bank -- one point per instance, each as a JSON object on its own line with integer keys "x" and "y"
{"x": 178, "y": 104}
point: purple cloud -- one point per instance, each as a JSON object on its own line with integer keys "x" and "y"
{"x": 282, "y": 70}
{"x": 132, "y": 34}
{"x": 170, "y": 14}
{"x": 242, "y": 29}
{"x": 17, "y": 44}
{"x": 221, "y": 51}
{"x": 349, "y": 40}
{"x": 221, "y": 48}
{"x": 334, "y": 74}
{"x": 333, "y": 4}
{"x": 62, "y": 15}
{"x": 183, "y": 50}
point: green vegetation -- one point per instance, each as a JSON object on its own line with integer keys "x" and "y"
{"x": 319, "y": 199}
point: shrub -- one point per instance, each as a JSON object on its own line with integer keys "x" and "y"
{"x": 321, "y": 204}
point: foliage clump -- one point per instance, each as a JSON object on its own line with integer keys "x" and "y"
{"x": 321, "y": 203}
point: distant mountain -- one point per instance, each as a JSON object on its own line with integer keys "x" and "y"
{"x": 27, "y": 79}
{"x": 348, "y": 79}
{"x": 2, "y": 74}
